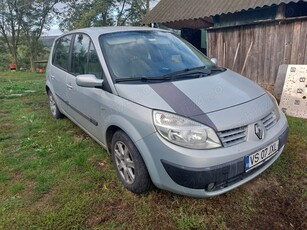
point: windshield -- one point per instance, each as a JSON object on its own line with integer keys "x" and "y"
{"x": 149, "y": 54}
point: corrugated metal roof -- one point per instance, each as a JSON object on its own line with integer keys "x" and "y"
{"x": 176, "y": 10}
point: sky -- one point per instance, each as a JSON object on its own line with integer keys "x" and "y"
{"x": 55, "y": 28}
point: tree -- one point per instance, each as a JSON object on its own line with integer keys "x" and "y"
{"x": 37, "y": 16}
{"x": 103, "y": 13}
{"x": 87, "y": 13}
{"x": 131, "y": 12}
{"x": 3, "y": 57}
{"x": 26, "y": 19}
{"x": 22, "y": 21}
{"x": 10, "y": 25}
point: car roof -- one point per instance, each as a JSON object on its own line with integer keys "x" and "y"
{"x": 97, "y": 31}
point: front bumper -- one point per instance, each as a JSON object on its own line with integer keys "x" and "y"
{"x": 189, "y": 172}
{"x": 217, "y": 177}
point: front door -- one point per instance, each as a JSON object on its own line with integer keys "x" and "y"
{"x": 87, "y": 104}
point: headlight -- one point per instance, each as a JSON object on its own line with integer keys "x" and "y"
{"x": 276, "y": 108}
{"x": 185, "y": 132}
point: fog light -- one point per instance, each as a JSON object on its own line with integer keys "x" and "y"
{"x": 210, "y": 186}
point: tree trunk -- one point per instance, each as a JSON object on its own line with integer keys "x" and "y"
{"x": 32, "y": 62}
{"x": 32, "y": 53}
{"x": 15, "y": 57}
{"x": 147, "y": 6}
{"x": 104, "y": 19}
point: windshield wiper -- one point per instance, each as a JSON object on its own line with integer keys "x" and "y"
{"x": 196, "y": 72}
{"x": 217, "y": 69}
{"x": 142, "y": 79}
{"x": 189, "y": 72}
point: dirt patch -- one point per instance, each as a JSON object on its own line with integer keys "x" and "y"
{"x": 260, "y": 185}
{"x": 280, "y": 212}
{"x": 3, "y": 113}
{"x": 110, "y": 210}
{"x": 30, "y": 186}
{"x": 6, "y": 125}
{"x": 102, "y": 165}
{"x": 79, "y": 137}
{"x": 270, "y": 203}
{"x": 302, "y": 153}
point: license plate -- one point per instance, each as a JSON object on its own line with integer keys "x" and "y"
{"x": 256, "y": 159}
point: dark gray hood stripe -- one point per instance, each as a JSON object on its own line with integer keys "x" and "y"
{"x": 181, "y": 103}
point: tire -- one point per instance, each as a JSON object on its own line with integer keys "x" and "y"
{"x": 129, "y": 164}
{"x": 56, "y": 113}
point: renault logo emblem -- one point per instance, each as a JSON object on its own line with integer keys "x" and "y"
{"x": 259, "y": 131}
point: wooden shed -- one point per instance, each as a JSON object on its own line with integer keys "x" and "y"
{"x": 251, "y": 37}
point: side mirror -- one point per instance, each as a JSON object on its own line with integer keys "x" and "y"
{"x": 88, "y": 80}
{"x": 214, "y": 60}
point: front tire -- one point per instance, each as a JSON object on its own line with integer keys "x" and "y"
{"x": 56, "y": 113}
{"x": 129, "y": 164}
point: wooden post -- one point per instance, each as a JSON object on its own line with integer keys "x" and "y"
{"x": 247, "y": 55}
{"x": 236, "y": 55}
{"x": 280, "y": 13}
{"x": 224, "y": 55}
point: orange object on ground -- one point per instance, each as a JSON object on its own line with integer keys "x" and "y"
{"x": 12, "y": 66}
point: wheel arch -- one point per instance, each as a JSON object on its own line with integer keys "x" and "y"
{"x": 111, "y": 130}
{"x": 47, "y": 88}
{"x": 115, "y": 122}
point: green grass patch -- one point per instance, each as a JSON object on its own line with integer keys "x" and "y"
{"x": 16, "y": 188}
{"x": 53, "y": 176}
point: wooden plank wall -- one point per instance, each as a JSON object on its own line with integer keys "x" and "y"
{"x": 260, "y": 48}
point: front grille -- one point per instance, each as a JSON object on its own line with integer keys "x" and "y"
{"x": 269, "y": 121}
{"x": 238, "y": 135}
{"x": 233, "y": 136}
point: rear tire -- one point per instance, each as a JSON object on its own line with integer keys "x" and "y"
{"x": 56, "y": 113}
{"x": 129, "y": 164}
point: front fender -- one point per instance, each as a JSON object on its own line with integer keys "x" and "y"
{"x": 134, "y": 119}
{"x": 128, "y": 126}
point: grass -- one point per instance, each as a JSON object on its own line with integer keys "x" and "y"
{"x": 53, "y": 176}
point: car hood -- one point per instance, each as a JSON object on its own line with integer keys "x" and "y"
{"x": 194, "y": 96}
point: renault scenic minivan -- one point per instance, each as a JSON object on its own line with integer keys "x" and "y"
{"x": 167, "y": 114}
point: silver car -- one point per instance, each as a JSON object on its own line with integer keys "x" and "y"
{"x": 168, "y": 115}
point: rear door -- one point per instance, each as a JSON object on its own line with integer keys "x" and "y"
{"x": 59, "y": 70}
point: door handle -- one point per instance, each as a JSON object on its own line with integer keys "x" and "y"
{"x": 52, "y": 77}
{"x": 69, "y": 86}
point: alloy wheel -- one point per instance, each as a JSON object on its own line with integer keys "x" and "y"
{"x": 124, "y": 162}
